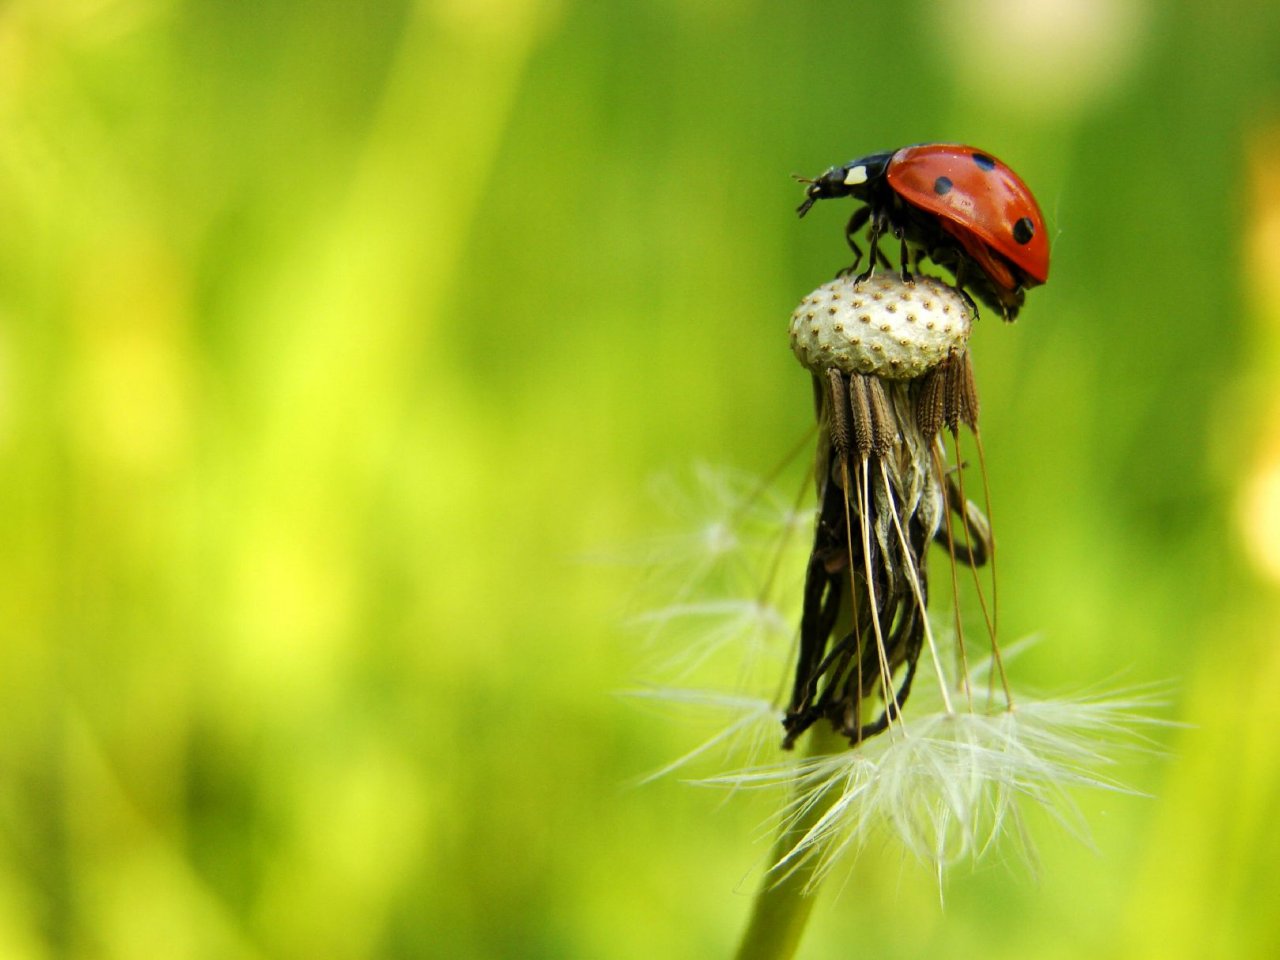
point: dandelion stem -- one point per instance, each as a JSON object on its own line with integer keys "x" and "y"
{"x": 786, "y": 896}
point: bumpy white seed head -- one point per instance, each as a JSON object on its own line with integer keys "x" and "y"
{"x": 883, "y": 326}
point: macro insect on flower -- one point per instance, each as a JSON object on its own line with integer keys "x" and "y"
{"x": 897, "y": 406}
{"x": 958, "y": 205}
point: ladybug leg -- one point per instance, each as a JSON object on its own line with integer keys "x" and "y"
{"x": 878, "y": 224}
{"x": 959, "y": 271}
{"x": 905, "y": 258}
{"x": 855, "y": 224}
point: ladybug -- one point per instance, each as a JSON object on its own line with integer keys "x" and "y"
{"x": 958, "y": 205}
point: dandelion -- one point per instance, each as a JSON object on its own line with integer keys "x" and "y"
{"x": 891, "y": 370}
{"x": 948, "y": 780}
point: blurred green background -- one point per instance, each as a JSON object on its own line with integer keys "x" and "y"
{"x": 336, "y": 338}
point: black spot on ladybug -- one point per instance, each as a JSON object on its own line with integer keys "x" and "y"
{"x": 1024, "y": 230}
{"x": 942, "y": 186}
{"x": 985, "y": 162}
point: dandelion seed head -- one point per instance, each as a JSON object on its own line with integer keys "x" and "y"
{"x": 898, "y": 344}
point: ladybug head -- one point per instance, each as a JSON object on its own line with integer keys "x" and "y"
{"x": 851, "y": 180}
{"x": 831, "y": 184}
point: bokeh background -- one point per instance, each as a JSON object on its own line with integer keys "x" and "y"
{"x": 338, "y": 342}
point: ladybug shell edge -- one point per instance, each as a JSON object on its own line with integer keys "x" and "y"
{"x": 978, "y": 194}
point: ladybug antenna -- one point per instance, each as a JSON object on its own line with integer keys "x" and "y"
{"x": 810, "y": 195}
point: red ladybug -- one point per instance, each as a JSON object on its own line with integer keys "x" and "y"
{"x": 959, "y": 206}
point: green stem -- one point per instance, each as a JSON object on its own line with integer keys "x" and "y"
{"x": 783, "y": 904}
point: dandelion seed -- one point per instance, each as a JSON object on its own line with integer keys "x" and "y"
{"x": 948, "y": 784}
{"x": 746, "y": 732}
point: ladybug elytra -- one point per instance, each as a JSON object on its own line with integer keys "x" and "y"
{"x": 958, "y": 205}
